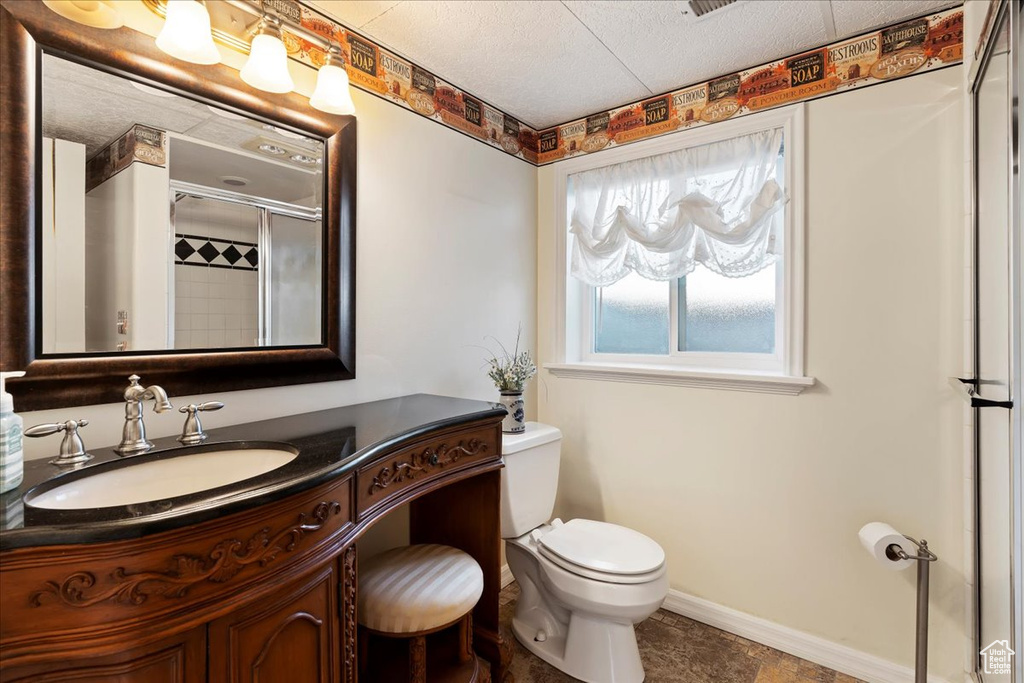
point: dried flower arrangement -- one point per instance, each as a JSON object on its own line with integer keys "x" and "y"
{"x": 510, "y": 371}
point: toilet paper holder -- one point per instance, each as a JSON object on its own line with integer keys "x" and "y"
{"x": 894, "y": 552}
{"x": 924, "y": 558}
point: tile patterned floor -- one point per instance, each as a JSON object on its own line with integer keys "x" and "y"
{"x": 675, "y": 649}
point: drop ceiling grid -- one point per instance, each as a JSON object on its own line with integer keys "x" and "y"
{"x": 548, "y": 62}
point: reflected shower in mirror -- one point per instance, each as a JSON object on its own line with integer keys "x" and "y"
{"x": 170, "y": 224}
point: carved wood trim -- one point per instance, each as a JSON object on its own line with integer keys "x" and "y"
{"x": 426, "y": 460}
{"x": 350, "y": 627}
{"x": 173, "y": 658}
{"x": 224, "y": 561}
{"x": 265, "y": 650}
{"x": 418, "y": 659}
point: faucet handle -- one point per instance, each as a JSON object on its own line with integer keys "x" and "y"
{"x": 72, "y": 450}
{"x": 192, "y": 433}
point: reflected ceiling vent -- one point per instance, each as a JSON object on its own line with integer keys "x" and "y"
{"x": 700, "y": 9}
{"x": 234, "y": 181}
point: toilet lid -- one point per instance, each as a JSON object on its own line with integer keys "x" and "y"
{"x": 603, "y": 547}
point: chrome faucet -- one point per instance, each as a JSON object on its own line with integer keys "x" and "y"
{"x": 133, "y": 437}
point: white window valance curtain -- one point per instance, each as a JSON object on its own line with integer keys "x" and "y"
{"x": 716, "y": 204}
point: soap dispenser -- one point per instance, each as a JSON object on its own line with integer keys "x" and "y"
{"x": 12, "y": 457}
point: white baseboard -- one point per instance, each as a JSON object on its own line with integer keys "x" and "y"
{"x": 506, "y": 575}
{"x": 797, "y": 643}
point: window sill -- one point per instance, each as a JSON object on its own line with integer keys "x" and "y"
{"x": 683, "y": 377}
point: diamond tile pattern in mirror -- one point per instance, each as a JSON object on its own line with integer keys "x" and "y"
{"x": 231, "y": 254}
{"x": 182, "y": 249}
{"x": 208, "y": 252}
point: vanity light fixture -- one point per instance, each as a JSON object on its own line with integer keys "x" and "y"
{"x": 267, "y": 66}
{"x": 186, "y": 33}
{"x": 332, "y": 89}
{"x": 95, "y": 13}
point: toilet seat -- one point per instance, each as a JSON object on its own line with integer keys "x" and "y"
{"x": 603, "y": 552}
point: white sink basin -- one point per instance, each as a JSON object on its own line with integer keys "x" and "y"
{"x": 160, "y": 479}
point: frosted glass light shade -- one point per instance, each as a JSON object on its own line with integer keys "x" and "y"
{"x": 267, "y": 66}
{"x": 332, "y": 94}
{"x": 186, "y": 33}
{"x": 88, "y": 12}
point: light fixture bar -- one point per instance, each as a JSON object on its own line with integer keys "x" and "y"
{"x": 251, "y": 7}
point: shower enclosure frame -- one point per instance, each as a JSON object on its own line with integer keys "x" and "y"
{"x": 265, "y": 209}
{"x": 1009, "y": 13}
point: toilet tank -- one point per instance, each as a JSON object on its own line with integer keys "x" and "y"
{"x": 529, "y": 479}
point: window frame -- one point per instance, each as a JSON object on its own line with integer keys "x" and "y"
{"x": 781, "y": 372}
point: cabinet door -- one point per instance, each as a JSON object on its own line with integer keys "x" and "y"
{"x": 177, "y": 660}
{"x": 291, "y": 635}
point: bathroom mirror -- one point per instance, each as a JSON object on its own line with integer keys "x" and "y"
{"x": 171, "y": 224}
{"x": 164, "y": 219}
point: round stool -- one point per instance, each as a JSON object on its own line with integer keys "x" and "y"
{"x": 413, "y": 592}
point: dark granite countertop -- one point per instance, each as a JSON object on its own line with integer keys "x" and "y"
{"x": 330, "y": 443}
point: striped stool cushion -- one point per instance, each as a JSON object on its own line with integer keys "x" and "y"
{"x": 417, "y": 588}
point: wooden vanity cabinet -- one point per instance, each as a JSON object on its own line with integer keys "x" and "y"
{"x": 265, "y": 594}
{"x": 293, "y": 635}
{"x": 179, "y": 659}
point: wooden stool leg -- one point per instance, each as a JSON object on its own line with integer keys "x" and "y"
{"x": 466, "y": 637}
{"x": 364, "y": 652}
{"x": 418, "y": 659}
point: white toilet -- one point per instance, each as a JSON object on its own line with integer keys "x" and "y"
{"x": 584, "y": 584}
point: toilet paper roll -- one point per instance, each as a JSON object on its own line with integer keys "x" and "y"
{"x": 876, "y": 537}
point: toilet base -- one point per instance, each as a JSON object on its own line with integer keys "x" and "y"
{"x": 592, "y": 650}
{"x": 577, "y": 624}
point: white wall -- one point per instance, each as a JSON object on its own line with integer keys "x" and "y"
{"x": 63, "y": 245}
{"x": 445, "y": 256}
{"x": 756, "y": 498}
{"x": 126, "y": 222}
{"x": 152, "y": 272}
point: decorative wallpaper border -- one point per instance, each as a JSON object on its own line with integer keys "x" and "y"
{"x": 915, "y": 46}
{"x": 911, "y": 47}
{"x": 141, "y": 143}
{"x": 376, "y": 70}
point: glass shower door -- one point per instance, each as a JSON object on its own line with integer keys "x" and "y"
{"x": 996, "y": 381}
{"x": 292, "y": 277}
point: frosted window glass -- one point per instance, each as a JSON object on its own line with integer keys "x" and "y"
{"x": 722, "y": 314}
{"x": 631, "y": 316}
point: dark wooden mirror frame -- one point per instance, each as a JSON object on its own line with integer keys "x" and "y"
{"x": 26, "y": 30}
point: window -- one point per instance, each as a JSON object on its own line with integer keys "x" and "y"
{"x": 681, "y": 258}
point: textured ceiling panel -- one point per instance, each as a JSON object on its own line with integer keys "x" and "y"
{"x": 854, "y": 16}
{"x": 354, "y": 13}
{"x": 534, "y": 60}
{"x": 552, "y": 61}
{"x": 95, "y": 108}
{"x": 667, "y": 50}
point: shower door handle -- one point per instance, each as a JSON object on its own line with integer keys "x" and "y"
{"x": 968, "y": 389}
